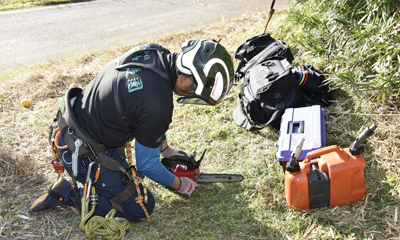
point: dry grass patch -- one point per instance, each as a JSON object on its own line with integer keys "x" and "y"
{"x": 20, "y": 4}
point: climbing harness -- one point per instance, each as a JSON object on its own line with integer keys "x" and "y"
{"x": 83, "y": 147}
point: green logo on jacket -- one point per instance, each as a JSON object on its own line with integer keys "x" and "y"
{"x": 135, "y": 84}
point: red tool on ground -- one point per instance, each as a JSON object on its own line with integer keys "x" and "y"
{"x": 191, "y": 169}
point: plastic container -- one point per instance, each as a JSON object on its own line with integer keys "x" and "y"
{"x": 334, "y": 178}
{"x": 298, "y": 123}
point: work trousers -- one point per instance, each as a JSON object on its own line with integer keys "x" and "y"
{"x": 108, "y": 185}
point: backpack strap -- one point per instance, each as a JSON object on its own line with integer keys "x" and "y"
{"x": 116, "y": 98}
{"x": 275, "y": 49}
{"x": 119, "y": 67}
{"x": 134, "y": 64}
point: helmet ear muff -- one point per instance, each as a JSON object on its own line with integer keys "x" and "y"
{"x": 218, "y": 77}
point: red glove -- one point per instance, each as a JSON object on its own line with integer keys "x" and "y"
{"x": 187, "y": 187}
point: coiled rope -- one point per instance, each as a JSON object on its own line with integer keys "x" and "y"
{"x": 107, "y": 226}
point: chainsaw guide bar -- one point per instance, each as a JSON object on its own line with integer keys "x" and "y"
{"x": 214, "y": 178}
{"x": 190, "y": 168}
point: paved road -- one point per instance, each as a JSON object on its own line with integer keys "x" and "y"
{"x": 43, "y": 34}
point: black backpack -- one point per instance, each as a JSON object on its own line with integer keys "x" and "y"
{"x": 257, "y": 49}
{"x": 268, "y": 89}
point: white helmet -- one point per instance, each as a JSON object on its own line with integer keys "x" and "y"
{"x": 211, "y": 66}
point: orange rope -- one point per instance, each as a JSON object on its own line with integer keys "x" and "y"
{"x": 57, "y": 136}
{"x": 139, "y": 199}
{"x": 56, "y": 141}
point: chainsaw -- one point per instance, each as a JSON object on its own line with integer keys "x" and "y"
{"x": 190, "y": 168}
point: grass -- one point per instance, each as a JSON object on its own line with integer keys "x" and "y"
{"x": 253, "y": 209}
{"x": 355, "y": 41}
{"x": 23, "y": 4}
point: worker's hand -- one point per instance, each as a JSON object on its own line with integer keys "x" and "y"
{"x": 174, "y": 153}
{"x": 187, "y": 187}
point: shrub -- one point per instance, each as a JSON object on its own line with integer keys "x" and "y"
{"x": 354, "y": 40}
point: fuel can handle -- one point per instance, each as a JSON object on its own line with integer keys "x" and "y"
{"x": 322, "y": 151}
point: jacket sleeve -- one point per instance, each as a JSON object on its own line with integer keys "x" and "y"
{"x": 148, "y": 163}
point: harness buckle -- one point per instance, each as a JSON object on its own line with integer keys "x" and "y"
{"x": 126, "y": 177}
{"x": 87, "y": 156}
{"x": 70, "y": 130}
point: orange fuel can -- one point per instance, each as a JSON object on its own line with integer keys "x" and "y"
{"x": 330, "y": 176}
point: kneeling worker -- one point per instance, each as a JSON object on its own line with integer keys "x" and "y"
{"x": 131, "y": 98}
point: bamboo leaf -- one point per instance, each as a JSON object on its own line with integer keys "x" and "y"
{"x": 365, "y": 83}
{"x": 378, "y": 45}
{"x": 343, "y": 22}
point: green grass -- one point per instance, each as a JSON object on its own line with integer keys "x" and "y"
{"x": 253, "y": 209}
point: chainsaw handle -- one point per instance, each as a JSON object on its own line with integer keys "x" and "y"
{"x": 202, "y": 155}
{"x": 322, "y": 151}
{"x": 191, "y": 162}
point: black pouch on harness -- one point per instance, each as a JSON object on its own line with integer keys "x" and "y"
{"x": 268, "y": 89}
{"x": 257, "y": 49}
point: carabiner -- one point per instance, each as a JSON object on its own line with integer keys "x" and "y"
{"x": 85, "y": 189}
{"x": 89, "y": 187}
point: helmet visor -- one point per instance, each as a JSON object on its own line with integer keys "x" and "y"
{"x": 195, "y": 99}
